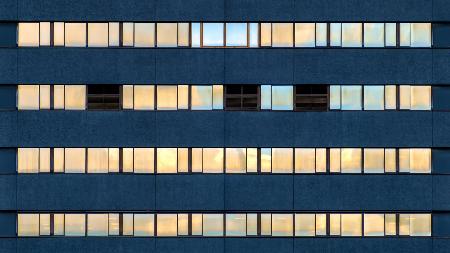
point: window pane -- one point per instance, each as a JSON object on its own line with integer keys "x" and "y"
{"x": 236, "y": 34}
{"x": 144, "y": 34}
{"x": 335, "y": 35}
{"x": 420, "y": 34}
{"x": 166, "y": 34}
{"x": 305, "y": 225}
{"x": 254, "y": 35}
{"x": 391, "y": 97}
{"x": 213, "y": 160}
{"x": 236, "y": 224}
{"x": 252, "y": 224}
{"x": 351, "y": 224}
{"x": 197, "y": 160}
{"x": 128, "y": 34}
{"x": 212, "y": 224}
{"x": 195, "y": 34}
{"x": 373, "y": 160}
{"x": 405, "y": 97}
{"x": 282, "y": 160}
{"x": 305, "y": 160}
{"x": 373, "y": 224}
{"x": 217, "y": 97}
{"x": 321, "y": 34}
{"x": 98, "y": 34}
{"x": 166, "y": 225}
{"x": 114, "y": 224}
{"x": 75, "y": 35}
{"x": 44, "y": 96}
{"x": 390, "y": 160}
{"x": 44, "y": 160}
{"x": 143, "y": 160}
{"x": 404, "y": 160}
{"x": 321, "y": 224}
{"x": 74, "y": 224}
{"x": 27, "y": 224}
{"x": 58, "y": 160}
{"x": 183, "y": 224}
{"x": 58, "y": 36}
{"x": 113, "y": 160}
{"x": 266, "y": 34}
{"x": 335, "y": 224}
{"x": 28, "y": 98}
{"x": 405, "y": 34}
{"x": 420, "y": 225}
{"x": 420, "y": 97}
{"x": 212, "y": 34}
{"x": 374, "y": 35}
{"x": 127, "y": 100}
{"x": 97, "y": 225}
{"x": 404, "y": 224}
{"x": 335, "y": 160}
{"x": 44, "y": 33}
{"x": 235, "y": 160}
{"x": 391, "y": 34}
{"x": 144, "y": 97}
{"x": 305, "y": 35}
{"x": 197, "y": 224}
{"x": 335, "y": 97}
{"x": 351, "y": 34}
{"x": 282, "y": 97}
{"x": 201, "y": 97}
{"x": 266, "y": 224}
{"x": 373, "y": 97}
{"x": 351, "y": 160}
{"x": 143, "y": 224}
{"x": 282, "y": 225}
{"x": 75, "y": 97}
{"x": 183, "y": 97}
{"x": 44, "y": 224}
{"x": 28, "y": 160}
{"x": 252, "y": 160}
{"x": 28, "y": 35}
{"x": 266, "y": 160}
{"x": 183, "y": 160}
{"x": 166, "y": 160}
{"x": 98, "y": 160}
{"x": 266, "y": 97}
{"x": 321, "y": 160}
{"x": 420, "y": 160}
{"x": 74, "y": 160}
{"x": 128, "y": 224}
{"x": 167, "y": 97}
{"x": 282, "y": 35}
{"x": 127, "y": 154}
{"x": 58, "y": 97}
{"x": 390, "y": 224}
{"x": 58, "y": 224}
{"x": 114, "y": 34}
{"x": 351, "y": 97}
{"x": 183, "y": 34}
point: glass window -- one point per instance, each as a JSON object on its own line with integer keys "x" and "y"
{"x": 252, "y": 224}
{"x": 266, "y": 97}
{"x": 305, "y": 160}
{"x": 351, "y": 97}
{"x": 282, "y": 160}
{"x": 335, "y": 97}
{"x": 201, "y": 97}
{"x": 197, "y": 160}
{"x": 420, "y": 160}
{"x": 218, "y": 97}
{"x": 143, "y": 160}
{"x": 75, "y": 97}
{"x": 44, "y": 33}
{"x": 405, "y": 97}
{"x": 28, "y": 35}
{"x": 266, "y": 160}
{"x": 197, "y": 224}
{"x": 58, "y": 160}
{"x": 420, "y": 97}
{"x": 44, "y": 160}
{"x": 236, "y": 224}
{"x": 390, "y": 224}
{"x": 305, "y": 35}
{"x": 44, "y": 224}
{"x": 321, "y": 224}
{"x": 27, "y": 224}
{"x": 183, "y": 159}
{"x": 28, "y": 98}
{"x": 166, "y": 160}
{"x": 97, "y": 224}
{"x": 373, "y": 160}
{"x": 213, "y": 160}
{"x": 128, "y": 224}
{"x": 282, "y": 225}
{"x": 236, "y": 35}
{"x": 183, "y": 224}
{"x": 28, "y": 160}
{"x": 420, "y": 34}
{"x": 98, "y": 160}
{"x": 44, "y": 96}
{"x": 321, "y": 160}
{"x": 321, "y": 34}
{"x": 74, "y": 224}
{"x": 420, "y": 225}
{"x": 252, "y": 160}
{"x": 373, "y": 224}
{"x": 144, "y": 224}
{"x": 351, "y": 224}
{"x": 58, "y": 96}
{"x": 390, "y": 160}
{"x": 373, "y": 97}
{"x": 74, "y": 160}
{"x": 266, "y": 224}
{"x": 113, "y": 159}
{"x": 114, "y": 224}
{"x": 391, "y": 34}
{"x": 351, "y": 160}
{"x": 282, "y": 97}
{"x": 405, "y": 34}
{"x": 235, "y": 160}
{"x": 114, "y": 34}
{"x": 282, "y": 34}
{"x": 97, "y": 34}
{"x": 335, "y": 160}
{"x": 335, "y": 35}
{"x": 183, "y": 97}
{"x": 127, "y": 97}
{"x": 213, "y": 34}
{"x": 58, "y": 224}
{"x": 266, "y": 34}
{"x": 58, "y": 34}
{"x": 127, "y": 154}
{"x": 254, "y": 35}
{"x": 75, "y": 35}
{"x": 166, "y": 34}
{"x": 128, "y": 34}
{"x": 351, "y": 34}
{"x": 195, "y": 33}
{"x": 183, "y": 34}
{"x": 144, "y": 97}
{"x": 166, "y": 225}
{"x": 212, "y": 224}
{"x": 390, "y": 97}
{"x": 144, "y": 34}
{"x": 167, "y": 97}
{"x": 305, "y": 225}
{"x": 374, "y": 35}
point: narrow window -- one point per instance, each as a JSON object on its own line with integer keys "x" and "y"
{"x": 197, "y": 224}
{"x": 44, "y": 224}
{"x": 114, "y": 224}
{"x": 218, "y": 97}
{"x": 335, "y": 35}
{"x": 195, "y": 35}
{"x": 252, "y": 224}
{"x": 266, "y": 224}
{"x": 44, "y": 33}
{"x": 183, "y": 97}
{"x": 321, "y": 34}
{"x": 321, "y": 224}
{"x": 390, "y": 224}
{"x": 335, "y": 97}
{"x": 128, "y": 95}
{"x": 128, "y": 224}
{"x": 183, "y": 34}
{"x": 128, "y": 34}
{"x": 44, "y": 96}
{"x": 58, "y": 224}
{"x": 58, "y": 34}
{"x": 405, "y": 34}
{"x": 391, "y": 34}
{"x": 266, "y": 97}
{"x": 266, "y": 34}
{"x": 183, "y": 224}
{"x": 254, "y": 35}
{"x": 114, "y": 34}
{"x": 390, "y": 92}
{"x": 58, "y": 96}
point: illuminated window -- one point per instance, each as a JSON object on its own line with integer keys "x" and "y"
{"x": 266, "y": 160}
{"x": 236, "y": 160}
{"x": 143, "y": 160}
{"x": 166, "y": 160}
{"x": 127, "y": 97}
{"x": 335, "y": 97}
{"x": 335, "y": 160}
{"x": 75, "y": 97}
{"x": 44, "y": 224}
{"x": 166, "y": 34}
{"x": 390, "y": 160}
{"x": 58, "y": 96}
{"x": 373, "y": 224}
{"x": 351, "y": 160}
{"x": 217, "y": 97}
{"x": 282, "y": 160}
{"x": 351, "y": 97}
{"x": 144, "y": 97}
{"x": 144, "y": 224}
{"x": 28, "y": 97}
{"x": 305, "y": 225}
{"x": 405, "y": 34}
{"x": 351, "y": 225}
{"x": 252, "y": 160}
{"x": 97, "y": 34}
{"x": 236, "y": 34}
{"x": 282, "y": 225}
{"x": 128, "y": 34}
{"x": 75, "y": 34}
{"x": 266, "y": 97}
{"x": 212, "y": 224}
{"x": 305, "y": 35}
{"x": 114, "y": 34}
{"x": 201, "y": 97}
{"x": 183, "y": 34}
{"x": 305, "y": 160}
{"x": 321, "y": 34}
{"x": 144, "y": 35}
{"x": 236, "y": 224}
{"x": 282, "y": 35}
{"x": 167, "y": 97}
{"x": 254, "y": 35}
{"x": 374, "y": 160}
{"x": 183, "y": 97}
{"x": 335, "y": 35}
{"x": 114, "y": 224}
{"x": 97, "y": 225}
{"x": 282, "y": 98}
{"x": 420, "y": 34}
{"x": 420, "y": 97}
{"x": 28, "y": 35}
{"x": 166, "y": 225}
{"x": 391, "y": 34}
{"x": 183, "y": 159}
{"x": 44, "y": 33}
{"x": 213, "y": 160}
{"x": 58, "y": 160}
{"x": 74, "y": 160}
{"x": 58, "y": 34}
{"x": 373, "y": 34}
{"x": 74, "y": 224}
{"x": 373, "y": 97}
{"x": 213, "y": 34}
{"x": 28, "y": 224}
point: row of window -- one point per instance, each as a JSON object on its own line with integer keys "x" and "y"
{"x": 129, "y": 34}
{"x": 220, "y": 225}
{"x": 224, "y": 160}
{"x": 228, "y": 97}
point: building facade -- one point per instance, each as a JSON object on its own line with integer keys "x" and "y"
{"x": 225, "y": 126}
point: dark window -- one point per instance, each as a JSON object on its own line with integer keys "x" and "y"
{"x": 311, "y": 98}
{"x": 103, "y": 97}
{"x": 242, "y": 97}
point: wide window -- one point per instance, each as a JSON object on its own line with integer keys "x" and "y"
{"x": 98, "y": 35}
{"x": 346, "y": 97}
{"x": 282, "y": 225}
{"x": 282, "y": 35}
{"x": 311, "y": 98}
{"x": 97, "y": 225}
{"x": 144, "y": 97}
{"x": 280, "y": 97}
{"x": 103, "y": 97}
{"x": 415, "y": 224}
{"x": 166, "y": 34}
{"x": 75, "y": 34}
{"x": 374, "y": 161}
{"x": 373, "y": 97}
{"x": 374, "y": 35}
{"x": 167, "y": 160}
{"x": 310, "y": 160}
{"x": 282, "y": 160}
{"x": 415, "y": 97}
{"x": 241, "y": 97}
{"x": 305, "y": 35}
{"x": 167, "y": 225}
{"x": 351, "y": 34}
{"x": 415, "y": 160}
{"x": 206, "y": 97}
{"x": 74, "y": 225}
{"x": 28, "y": 35}
{"x": 144, "y": 225}
{"x": 75, "y": 97}
{"x": 305, "y": 225}
{"x": 373, "y": 224}
{"x": 28, "y": 224}
{"x": 236, "y": 224}
{"x": 351, "y": 225}
{"x": 212, "y": 224}
{"x": 236, "y": 34}
{"x": 74, "y": 160}
{"x": 420, "y": 35}
{"x": 144, "y": 160}
{"x": 28, "y": 98}
{"x": 144, "y": 34}
{"x": 213, "y": 35}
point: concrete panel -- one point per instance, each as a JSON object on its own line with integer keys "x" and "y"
{"x": 8, "y": 65}
{"x": 259, "y": 245}
{"x": 188, "y": 245}
{"x": 181, "y": 10}
{"x": 8, "y": 192}
{"x": 441, "y": 191}
{"x": 441, "y": 129}
{"x": 7, "y": 161}
{"x": 259, "y": 10}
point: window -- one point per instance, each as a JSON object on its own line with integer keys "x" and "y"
{"x": 373, "y": 97}
{"x": 345, "y": 97}
{"x": 373, "y": 224}
{"x": 44, "y": 224}
{"x": 305, "y": 225}
{"x": 311, "y": 98}
{"x": 310, "y": 160}
{"x": 75, "y": 34}
{"x": 103, "y": 160}
{"x": 166, "y": 225}
{"x": 58, "y": 224}
{"x": 166, "y": 34}
{"x": 236, "y": 160}
{"x": 236, "y": 34}
{"x": 390, "y": 92}
{"x": 74, "y": 160}
{"x": 98, "y": 35}
{"x": 335, "y": 35}
{"x": 75, "y": 97}
{"x": 167, "y": 97}
{"x": 351, "y": 225}
{"x": 374, "y": 161}
{"x": 128, "y": 224}
{"x": 44, "y": 96}
{"x": 183, "y": 34}
{"x": 97, "y": 225}
{"x": 143, "y": 225}
{"x": 236, "y": 224}
{"x": 213, "y": 34}
{"x": 143, "y": 160}
{"x": 345, "y": 160}
{"x": 58, "y": 34}
{"x": 28, "y": 98}
{"x": 266, "y": 224}
{"x": 144, "y": 35}
{"x": 266, "y": 34}
{"x": 114, "y": 34}
{"x": 415, "y": 160}
{"x": 282, "y": 35}
{"x": 282, "y": 160}
{"x": 252, "y": 224}
{"x": 212, "y": 224}
{"x": 390, "y": 224}
{"x": 254, "y": 35}
{"x": 103, "y": 97}
{"x": 197, "y": 224}
{"x": 282, "y": 225}
{"x": 321, "y": 34}
{"x": 241, "y": 97}
{"x": 144, "y": 97}
{"x": 305, "y": 35}
{"x": 28, "y": 224}
{"x": 128, "y": 34}
{"x": 212, "y": 160}
{"x": 28, "y": 35}
{"x": 74, "y": 224}
{"x": 166, "y": 160}
{"x": 195, "y": 35}
{"x": 321, "y": 224}
{"x": 420, "y": 34}
{"x": 44, "y": 33}
{"x": 391, "y": 34}
{"x": 114, "y": 224}
{"x": 415, "y": 224}
{"x": 415, "y": 97}
{"x": 351, "y": 34}
{"x": 282, "y": 97}
{"x": 183, "y": 224}
{"x": 374, "y": 35}
{"x": 206, "y": 97}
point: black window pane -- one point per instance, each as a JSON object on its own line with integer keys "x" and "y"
{"x": 311, "y": 98}
{"x": 242, "y": 97}
{"x": 103, "y": 97}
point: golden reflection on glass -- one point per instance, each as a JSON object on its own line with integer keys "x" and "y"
{"x": 404, "y": 160}
{"x": 335, "y": 224}
{"x": 420, "y": 160}
{"x": 405, "y": 97}
{"x": 58, "y": 96}
{"x": 282, "y": 160}
{"x": 266, "y": 160}
{"x": 28, "y": 98}
{"x": 335, "y": 35}
{"x": 44, "y": 96}
{"x": 166, "y": 97}
{"x": 305, "y": 224}
{"x": 113, "y": 160}
{"x": 28, "y": 35}
{"x": 44, "y": 160}
{"x": 127, "y": 156}
{"x": 183, "y": 159}
{"x": 166, "y": 34}
{"x": 166, "y": 225}
{"x": 305, "y": 161}
{"x": 183, "y": 224}
{"x": 335, "y": 160}
{"x": 44, "y": 224}
{"x": 27, "y": 224}
{"x": 75, "y": 34}
{"x": 144, "y": 97}
{"x": 97, "y": 224}
{"x": 266, "y": 224}
{"x": 235, "y": 160}
{"x": 351, "y": 97}
{"x": 113, "y": 224}
{"x": 236, "y": 224}
{"x": 213, "y": 160}
{"x": 421, "y": 98}
{"x": 114, "y": 34}
{"x": 183, "y": 97}
{"x": 212, "y": 224}
{"x": 28, "y": 160}
{"x": 305, "y": 35}
{"x": 144, "y": 225}
{"x": 266, "y": 97}
{"x": 390, "y": 224}
{"x": 166, "y": 161}
{"x": 390, "y": 160}
{"x": 197, "y": 224}
{"x": 218, "y": 97}
{"x": 183, "y": 34}
{"x": 236, "y": 34}
{"x": 391, "y": 34}
{"x": 144, "y": 34}
{"x": 321, "y": 34}
{"x": 252, "y": 160}
{"x": 351, "y": 34}
{"x": 282, "y": 34}
{"x": 75, "y": 97}
{"x": 420, "y": 224}
{"x": 373, "y": 34}
{"x": 282, "y": 225}
{"x": 373, "y": 224}
{"x": 404, "y": 224}
{"x": 98, "y": 160}
{"x": 128, "y": 34}
{"x": 405, "y": 34}
{"x": 97, "y": 34}
{"x": 201, "y": 97}
{"x": 252, "y": 224}
{"x": 143, "y": 160}
{"x": 373, "y": 160}
{"x": 390, "y": 92}
{"x": 197, "y": 160}
{"x": 321, "y": 224}
{"x": 321, "y": 160}
{"x": 58, "y": 34}
{"x": 421, "y": 34}
{"x": 44, "y": 33}
{"x": 373, "y": 97}
{"x": 74, "y": 160}
{"x": 266, "y": 34}
{"x": 213, "y": 35}
{"x": 127, "y": 97}
{"x": 282, "y": 97}
{"x": 351, "y": 224}
{"x": 351, "y": 160}
{"x": 74, "y": 224}
{"x": 58, "y": 160}
{"x": 128, "y": 224}
{"x": 58, "y": 224}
